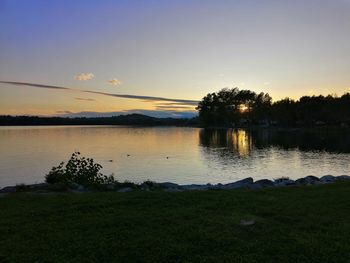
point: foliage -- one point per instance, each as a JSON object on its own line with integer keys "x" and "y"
{"x": 312, "y": 110}
{"x": 223, "y": 109}
{"x": 79, "y": 170}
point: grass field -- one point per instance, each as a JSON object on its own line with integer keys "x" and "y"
{"x": 294, "y": 224}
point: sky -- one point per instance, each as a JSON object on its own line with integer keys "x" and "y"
{"x": 161, "y": 57}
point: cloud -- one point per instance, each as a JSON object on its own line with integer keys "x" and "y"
{"x": 84, "y": 76}
{"x": 64, "y": 112}
{"x": 126, "y": 96}
{"x": 170, "y": 107}
{"x": 114, "y": 82}
{"x": 86, "y": 99}
{"x": 34, "y": 85}
{"x": 146, "y": 98}
{"x": 173, "y": 103}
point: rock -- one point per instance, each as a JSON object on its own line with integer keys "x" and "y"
{"x": 170, "y": 187}
{"x": 262, "y": 183}
{"x": 245, "y": 183}
{"x": 284, "y": 182}
{"x": 248, "y": 222}
{"x": 308, "y": 180}
{"x": 216, "y": 186}
{"x": 9, "y": 189}
{"x": 195, "y": 187}
{"x": 327, "y": 179}
{"x": 125, "y": 190}
{"x": 343, "y": 177}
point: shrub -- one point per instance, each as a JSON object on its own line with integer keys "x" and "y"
{"x": 79, "y": 170}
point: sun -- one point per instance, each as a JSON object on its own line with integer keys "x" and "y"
{"x": 243, "y": 108}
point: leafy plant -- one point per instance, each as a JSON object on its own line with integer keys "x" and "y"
{"x": 78, "y": 170}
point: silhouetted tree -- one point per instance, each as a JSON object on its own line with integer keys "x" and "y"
{"x": 229, "y": 106}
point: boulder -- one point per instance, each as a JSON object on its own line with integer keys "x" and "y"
{"x": 327, "y": 179}
{"x": 168, "y": 185}
{"x": 284, "y": 182}
{"x": 195, "y": 187}
{"x": 216, "y": 186}
{"x": 343, "y": 177}
{"x": 262, "y": 183}
{"x": 9, "y": 189}
{"x": 308, "y": 180}
{"x": 245, "y": 183}
{"x": 247, "y": 222}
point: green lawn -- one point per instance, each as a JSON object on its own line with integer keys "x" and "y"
{"x": 295, "y": 224}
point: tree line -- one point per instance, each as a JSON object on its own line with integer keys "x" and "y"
{"x": 130, "y": 119}
{"x": 234, "y": 107}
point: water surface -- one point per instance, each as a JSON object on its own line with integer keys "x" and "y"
{"x": 181, "y": 155}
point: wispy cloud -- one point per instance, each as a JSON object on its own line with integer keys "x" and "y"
{"x": 170, "y": 107}
{"x": 84, "y": 76}
{"x": 64, "y": 112}
{"x": 114, "y": 82}
{"x": 34, "y": 85}
{"x": 145, "y": 98}
{"x": 86, "y": 99}
{"x": 126, "y": 96}
{"x": 174, "y": 106}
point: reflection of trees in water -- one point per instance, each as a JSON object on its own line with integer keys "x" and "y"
{"x": 242, "y": 141}
{"x": 238, "y": 141}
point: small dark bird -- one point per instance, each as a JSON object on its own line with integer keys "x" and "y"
{"x": 110, "y": 160}
{"x": 167, "y": 157}
{"x": 128, "y": 155}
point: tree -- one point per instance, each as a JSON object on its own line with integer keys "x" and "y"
{"x": 228, "y": 106}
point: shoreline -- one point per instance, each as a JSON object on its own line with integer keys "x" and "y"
{"x": 247, "y": 183}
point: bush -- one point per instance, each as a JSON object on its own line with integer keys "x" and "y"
{"x": 79, "y": 170}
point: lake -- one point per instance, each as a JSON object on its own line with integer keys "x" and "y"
{"x": 180, "y": 155}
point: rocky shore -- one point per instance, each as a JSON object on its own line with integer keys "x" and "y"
{"x": 247, "y": 183}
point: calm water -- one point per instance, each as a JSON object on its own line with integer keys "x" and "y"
{"x": 194, "y": 155}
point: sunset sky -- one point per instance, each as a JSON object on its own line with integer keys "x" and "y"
{"x": 160, "y": 57}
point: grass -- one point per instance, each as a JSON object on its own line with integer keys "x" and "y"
{"x": 294, "y": 224}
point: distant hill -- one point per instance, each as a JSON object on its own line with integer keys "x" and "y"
{"x": 152, "y": 113}
{"x": 130, "y": 119}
